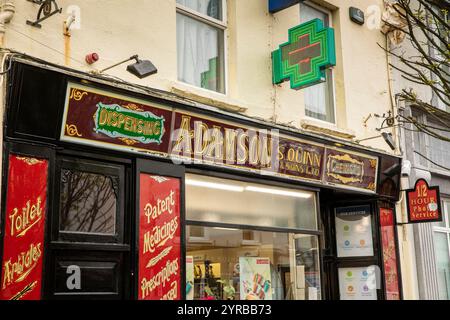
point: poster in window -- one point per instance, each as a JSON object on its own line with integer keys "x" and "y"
{"x": 23, "y": 245}
{"x": 190, "y": 277}
{"x": 389, "y": 254}
{"x": 358, "y": 283}
{"x": 255, "y": 279}
{"x": 159, "y": 238}
{"x": 354, "y": 231}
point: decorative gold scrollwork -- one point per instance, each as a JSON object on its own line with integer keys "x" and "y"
{"x": 132, "y": 106}
{"x": 128, "y": 141}
{"x": 77, "y": 94}
{"x": 72, "y": 130}
{"x": 373, "y": 163}
{"x": 30, "y": 161}
{"x": 345, "y": 159}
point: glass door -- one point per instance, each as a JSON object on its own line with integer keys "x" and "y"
{"x": 89, "y": 248}
{"x": 305, "y": 267}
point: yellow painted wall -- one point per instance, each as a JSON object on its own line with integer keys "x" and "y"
{"x": 117, "y": 29}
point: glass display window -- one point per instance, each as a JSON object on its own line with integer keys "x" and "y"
{"x": 231, "y": 251}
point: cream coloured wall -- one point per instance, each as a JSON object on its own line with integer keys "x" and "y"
{"x": 117, "y": 29}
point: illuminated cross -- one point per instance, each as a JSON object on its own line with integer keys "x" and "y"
{"x": 303, "y": 59}
{"x": 301, "y": 52}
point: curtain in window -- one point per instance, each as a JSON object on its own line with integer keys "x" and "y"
{"x": 442, "y": 264}
{"x": 318, "y": 98}
{"x": 199, "y": 46}
{"x": 211, "y": 8}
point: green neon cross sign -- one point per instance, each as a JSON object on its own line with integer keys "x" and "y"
{"x": 304, "y": 58}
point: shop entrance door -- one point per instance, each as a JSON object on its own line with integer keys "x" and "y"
{"x": 304, "y": 261}
{"x": 355, "y": 266}
{"x": 88, "y": 248}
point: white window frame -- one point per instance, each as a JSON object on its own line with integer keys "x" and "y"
{"x": 430, "y": 167}
{"x": 329, "y": 13}
{"x": 215, "y": 23}
{"x": 446, "y": 218}
{"x": 256, "y": 241}
{"x": 435, "y": 54}
{"x": 198, "y": 240}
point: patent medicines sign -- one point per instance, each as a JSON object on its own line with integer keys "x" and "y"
{"x": 423, "y": 202}
{"x": 104, "y": 119}
{"x": 304, "y": 58}
{"x": 23, "y": 249}
{"x": 159, "y": 238}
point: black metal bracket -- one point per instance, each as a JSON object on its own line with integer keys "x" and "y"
{"x": 46, "y": 9}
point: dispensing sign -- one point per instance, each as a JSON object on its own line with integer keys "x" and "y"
{"x": 424, "y": 204}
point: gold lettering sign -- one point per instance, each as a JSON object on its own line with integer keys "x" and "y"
{"x": 345, "y": 168}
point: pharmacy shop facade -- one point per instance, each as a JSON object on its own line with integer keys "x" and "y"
{"x": 112, "y": 193}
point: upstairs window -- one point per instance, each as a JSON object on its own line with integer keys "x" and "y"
{"x": 442, "y": 251}
{"x": 440, "y": 46}
{"x": 200, "y": 43}
{"x": 319, "y": 99}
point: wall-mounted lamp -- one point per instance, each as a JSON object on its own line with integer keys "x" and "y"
{"x": 356, "y": 15}
{"x": 387, "y": 136}
{"x": 141, "y": 68}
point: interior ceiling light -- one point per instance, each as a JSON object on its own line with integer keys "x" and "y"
{"x": 214, "y": 185}
{"x": 279, "y": 192}
{"x": 234, "y": 188}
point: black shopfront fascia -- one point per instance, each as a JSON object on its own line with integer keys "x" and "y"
{"x": 34, "y": 109}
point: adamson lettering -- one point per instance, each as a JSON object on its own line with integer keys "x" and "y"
{"x": 195, "y": 139}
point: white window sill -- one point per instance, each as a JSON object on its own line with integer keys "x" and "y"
{"x": 326, "y": 128}
{"x": 440, "y": 172}
{"x": 207, "y": 97}
{"x": 435, "y": 171}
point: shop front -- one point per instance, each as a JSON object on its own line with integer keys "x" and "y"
{"x": 110, "y": 193}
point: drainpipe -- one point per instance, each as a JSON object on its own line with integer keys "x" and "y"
{"x": 6, "y": 13}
